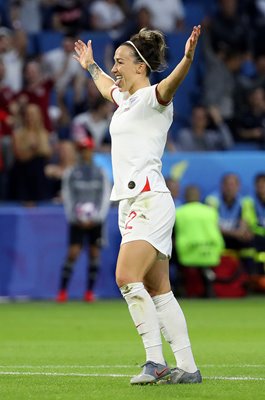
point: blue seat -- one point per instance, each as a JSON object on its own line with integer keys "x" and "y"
{"x": 195, "y": 13}
{"x": 48, "y": 40}
{"x": 176, "y": 45}
{"x": 187, "y": 91}
{"x": 209, "y": 6}
{"x": 101, "y": 41}
{"x": 244, "y": 146}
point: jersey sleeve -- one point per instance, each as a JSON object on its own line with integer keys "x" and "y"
{"x": 153, "y": 99}
{"x": 116, "y": 95}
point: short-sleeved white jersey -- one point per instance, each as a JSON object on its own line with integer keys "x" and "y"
{"x": 138, "y": 131}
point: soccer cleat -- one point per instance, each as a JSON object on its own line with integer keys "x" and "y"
{"x": 180, "y": 376}
{"x": 62, "y": 296}
{"x": 152, "y": 373}
{"x": 89, "y": 296}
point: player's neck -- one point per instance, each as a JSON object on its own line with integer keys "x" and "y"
{"x": 139, "y": 85}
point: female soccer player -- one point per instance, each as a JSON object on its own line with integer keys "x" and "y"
{"x": 138, "y": 130}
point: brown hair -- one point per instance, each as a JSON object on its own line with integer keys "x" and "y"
{"x": 151, "y": 44}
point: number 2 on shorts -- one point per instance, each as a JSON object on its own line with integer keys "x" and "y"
{"x": 132, "y": 215}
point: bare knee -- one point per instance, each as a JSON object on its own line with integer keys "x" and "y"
{"x": 134, "y": 261}
{"x": 123, "y": 278}
{"x": 73, "y": 252}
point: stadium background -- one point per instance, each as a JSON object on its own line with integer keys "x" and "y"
{"x": 33, "y": 241}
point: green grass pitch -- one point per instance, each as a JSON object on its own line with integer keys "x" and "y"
{"x": 89, "y": 351}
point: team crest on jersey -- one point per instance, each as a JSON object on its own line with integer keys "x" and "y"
{"x": 133, "y": 100}
{"x": 130, "y": 102}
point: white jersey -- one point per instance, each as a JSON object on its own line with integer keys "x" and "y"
{"x": 138, "y": 131}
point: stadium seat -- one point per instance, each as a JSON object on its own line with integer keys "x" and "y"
{"x": 244, "y": 146}
{"x": 195, "y": 13}
{"x": 187, "y": 93}
{"x": 101, "y": 42}
{"x": 208, "y": 6}
{"x": 48, "y": 40}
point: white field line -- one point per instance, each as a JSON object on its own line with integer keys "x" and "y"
{"x": 222, "y": 378}
{"x": 63, "y": 374}
{"x": 127, "y": 366}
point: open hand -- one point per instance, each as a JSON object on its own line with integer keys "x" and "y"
{"x": 84, "y": 53}
{"x": 192, "y": 42}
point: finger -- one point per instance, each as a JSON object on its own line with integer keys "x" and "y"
{"x": 78, "y": 48}
{"x": 196, "y": 30}
{"x": 81, "y": 43}
{"x": 77, "y": 51}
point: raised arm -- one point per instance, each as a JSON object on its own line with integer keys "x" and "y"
{"x": 168, "y": 86}
{"x": 84, "y": 55}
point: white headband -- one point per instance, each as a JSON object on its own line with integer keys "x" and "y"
{"x": 139, "y": 54}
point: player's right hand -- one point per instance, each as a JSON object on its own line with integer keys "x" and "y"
{"x": 84, "y": 53}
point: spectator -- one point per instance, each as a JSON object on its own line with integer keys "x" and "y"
{"x": 2, "y": 177}
{"x": 13, "y": 50}
{"x": 69, "y": 17}
{"x": 4, "y": 14}
{"x": 256, "y": 11}
{"x": 201, "y": 135}
{"x": 6, "y": 124}
{"x": 65, "y": 158}
{"x": 143, "y": 19}
{"x": 221, "y": 77}
{"x": 198, "y": 240}
{"x": 36, "y": 89}
{"x": 31, "y": 152}
{"x": 229, "y": 28}
{"x": 173, "y": 186}
{"x": 166, "y": 15}
{"x": 94, "y": 122}
{"x": 254, "y": 214}
{"x": 86, "y": 193}
{"x": 247, "y": 83}
{"x": 140, "y": 19}
{"x": 108, "y": 15}
{"x": 67, "y": 74}
{"x": 6, "y": 96}
{"x": 231, "y": 274}
{"x": 91, "y": 97}
{"x": 251, "y": 124}
{"x": 259, "y": 77}
{"x": 26, "y": 15}
{"x": 228, "y": 203}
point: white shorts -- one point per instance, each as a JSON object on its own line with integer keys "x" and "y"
{"x": 149, "y": 216}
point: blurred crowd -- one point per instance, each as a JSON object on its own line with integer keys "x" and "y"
{"x": 47, "y": 101}
{"x": 219, "y": 239}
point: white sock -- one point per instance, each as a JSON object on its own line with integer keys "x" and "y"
{"x": 144, "y": 315}
{"x": 174, "y": 328}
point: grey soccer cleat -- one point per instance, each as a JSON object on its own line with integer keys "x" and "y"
{"x": 152, "y": 373}
{"x": 180, "y": 376}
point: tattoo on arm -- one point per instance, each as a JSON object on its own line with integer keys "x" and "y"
{"x": 94, "y": 71}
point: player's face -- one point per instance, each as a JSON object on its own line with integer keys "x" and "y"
{"x": 260, "y": 189}
{"x": 125, "y": 69}
{"x": 230, "y": 187}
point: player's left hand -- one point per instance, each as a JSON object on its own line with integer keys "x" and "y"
{"x": 192, "y": 42}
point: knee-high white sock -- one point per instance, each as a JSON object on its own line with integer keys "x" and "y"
{"x": 174, "y": 329}
{"x": 143, "y": 313}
